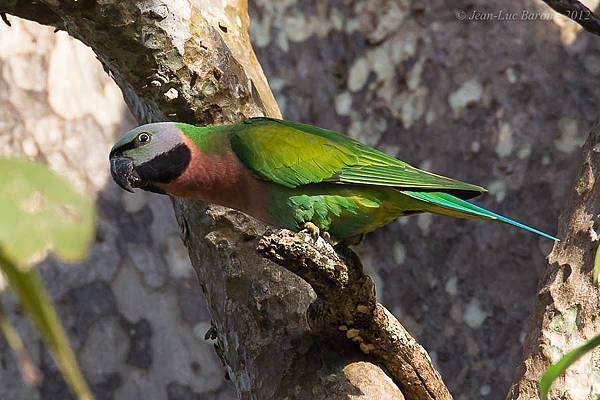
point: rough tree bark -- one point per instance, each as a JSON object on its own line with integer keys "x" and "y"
{"x": 193, "y": 62}
{"x": 567, "y": 307}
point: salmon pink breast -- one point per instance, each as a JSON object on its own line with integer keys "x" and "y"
{"x": 220, "y": 178}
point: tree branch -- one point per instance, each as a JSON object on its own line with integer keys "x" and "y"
{"x": 346, "y": 307}
{"x": 31, "y": 10}
{"x": 578, "y": 12}
{"x": 567, "y": 306}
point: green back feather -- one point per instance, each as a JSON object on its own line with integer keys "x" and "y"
{"x": 294, "y": 154}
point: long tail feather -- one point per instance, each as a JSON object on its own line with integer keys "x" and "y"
{"x": 453, "y": 206}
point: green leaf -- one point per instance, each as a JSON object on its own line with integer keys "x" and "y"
{"x": 40, "y": 212}
{"x": 557, "y": 369}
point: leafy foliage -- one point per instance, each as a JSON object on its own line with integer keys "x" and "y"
{"x": 39, "y": 213}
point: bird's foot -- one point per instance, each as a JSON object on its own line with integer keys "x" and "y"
{"x": 317, "y": 235}
{"x": 312, "y": 230}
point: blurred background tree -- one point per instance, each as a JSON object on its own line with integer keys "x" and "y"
{"x": 505, "y": 104}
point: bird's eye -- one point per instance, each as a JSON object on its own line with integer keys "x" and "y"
{"x": 143, "y": 137}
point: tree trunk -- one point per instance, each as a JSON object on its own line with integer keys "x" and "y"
{"x": 567, "y": 306}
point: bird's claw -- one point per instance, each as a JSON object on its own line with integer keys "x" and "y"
{"x": 315, "y": 233}
{"x": 312, "y": 230}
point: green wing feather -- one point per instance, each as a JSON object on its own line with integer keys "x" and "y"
{"x": 294, "y": 154}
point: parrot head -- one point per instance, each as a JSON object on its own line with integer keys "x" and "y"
{"x": 149, "y": 157}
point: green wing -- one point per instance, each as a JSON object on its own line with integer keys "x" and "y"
{"x": 294, "y": 154}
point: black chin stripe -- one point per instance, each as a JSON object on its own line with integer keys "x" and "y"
{"x": 165, "y": 167}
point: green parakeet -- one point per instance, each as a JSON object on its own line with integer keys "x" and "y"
{"x": 288, "y": 174}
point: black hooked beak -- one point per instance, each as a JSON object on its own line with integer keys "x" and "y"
{"x": 124, "y": 173}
